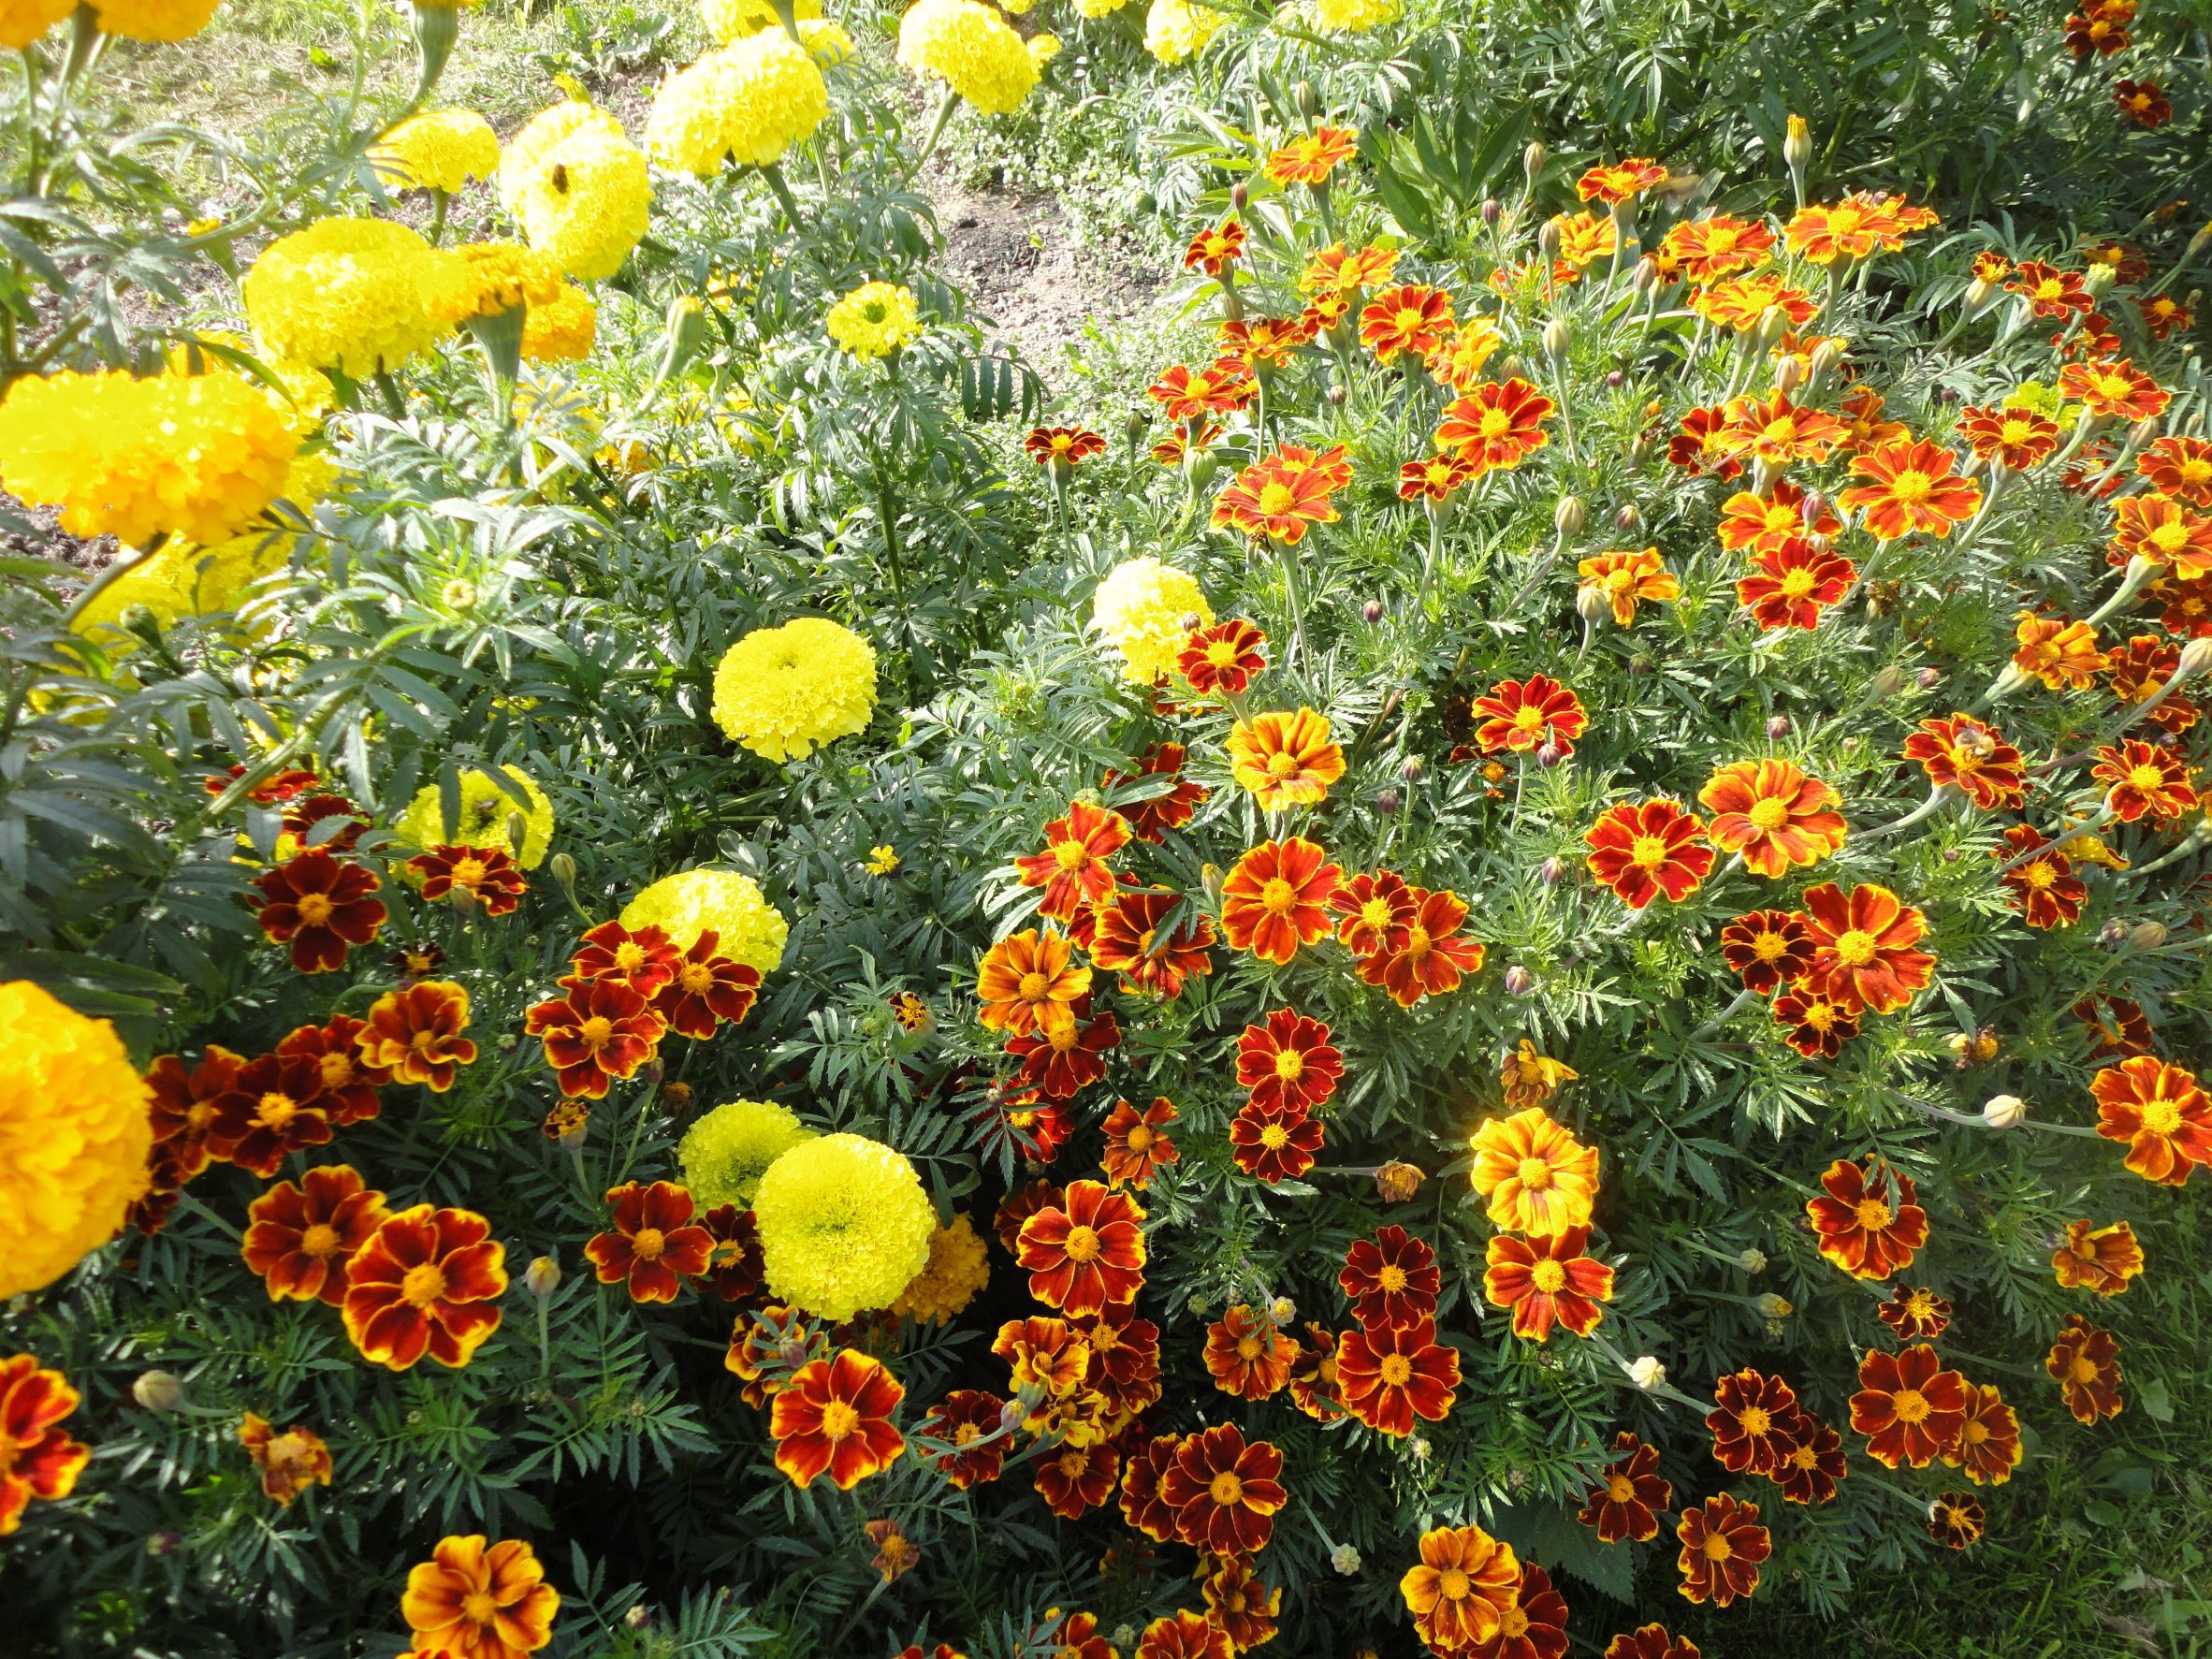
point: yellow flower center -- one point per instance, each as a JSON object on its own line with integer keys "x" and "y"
{"x": 2162, "y": 1117}
{"x": 423, "y": 1284}
{"x": 1248, "y": 1348}
{"x": 1069, "y": 855}
{"x": 650, "y": 1243}
{"x": 1874, "y": 1215}
{"x": 1391, "y": 1278}
{"x": 2015, "y": 430}
{"x": 2168, "y": 538}
{"x": 1619, "y": 1488}
{"x": 696, "y": 978}
{"x": 1033, "y": 988}
{"x": 1281, "y": 764}
{"x": 1910, "y": 1405}
{"x": 1278, "y": 898}
{"x": 1140, "y": 1139}
{"x": 1275, "y": 1137}
{"x": 2083, "y": 1369}
{"x": 1396, "y": 1370}
{"x": 1648, "y": 852}
{"x": 1757, "y": 1420}
{"x": 1769, "y": 814}
{"x": 314, "y": 908}
{"x": 1716, "y": 1548}
{"x": 1221, "y": 654}
{"x": 1535, "y": 1174}
{"x": 838, "y": 1419}
{"x": 1976, "y": 1431}
{"x": 1912, "y": 486}
{"x": 1495, "y": 423}
{"x": 320, "y": 1241}
{"x": 596, "y": 1032}
{"x": 275, "y": 1109}
{"x": 1290, "y": 1065}
{"x": 1225, "y": 1488}
{"x": 1855, "y": 948}
{"x": 2145, "y": 776}
{"x": 1082, "y": 1243}
{"x": 1453, "y": 1584}
{"x": 478, "y": 1607}
{"x": 1804, "y": 1457}
{"x": 2039, "y": 875}
{"x": 1768, "y": 947}
{"x": 1417, "y": 941}
{"x": 1274, "y": 498}
{"x": 1528, "y": 718}
{"x": 967, "y": 1435}
{"x": 1513, "y": 1622}
{"x": 1547, "y": 1276}
{"x": 1376, "y": 912}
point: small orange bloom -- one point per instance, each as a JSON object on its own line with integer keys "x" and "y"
{"x": 1818, "y": 1026}
{"x": 1192, "y": 394}
{"x": 1077, "y": 1478}
{"x": 274, "y": 1106}
{"x": 2051, "y": 293}
{"x": 1289, "y": 1061}
{"x": 834, "y": 1418}
{"x": 2098, "y": 1259}
{"x": 1650, "y": 1641}
{"x": 1275, "y": 1143}
{"x": 1379, "y": 911}
{"x": 1171, "y": 807}
{"x": 1628, "y": 577}
{"x": 2180, "y": 468}
{"x": 1246, "y": 1354}
{"x": 1815, "y": 1464}
{"x": 1791, "y": 583}
{"x": 319, "y": 906}
{"x": 1989, "y": 1443}
{"x": 1436, "y": 479}
{"x": 2114, "y": 388}
{"x": 2015, "y": 439}
{"x": 1641, "y": 849}
{"x": 427, "y": 1281}
{"x": 1060, "y": 1063}
{"x": 1459, "y": 1593}
{"x": 1778, "y": 431}
{"x": 1721, "y": 244}
{"x": 1241, "y": 1604}
{"x": 300, "y": 1237}
{"x": 1522, "y": 716}
{"x": 1754, "y": 1424}
{"x": 1332, "y": 271}
{"x": 1284, "y": 760}
{"x": 1310, "y": 159}
{"x": 1723, "y": 1545}
{"x": 1774, "y": 814}
{"x": 1546, "y": 1280}
{"x": 476, "y": 1601}
{"x": 1912, "y": 486}
{"x": 1971, "y": 757}
{"x": 1183, "y": 1634}
{"x": 1844, "y": 230}
{"x": 1766, "y": 948}
{"x": 1412, "y": 318}
{"x": 415, "y": 1034}
{"x": 1956, "y": 1521}
{"x": 2044, "y": 890}
{"x": 1133, "y": 938}
{"x": 708, "y": 992}
{"x": 1223, "y": 658}
{"x": 1027, "y": 982}
{"x": 2140, "y": 671}
{"x": 1538, "y": 1179}
{"x": 1862, "y": 947}
{"x": 1744, "y": 303}
{"x": 1760, "y": 523}
{"x": 1064, "y": 447}
{"x": 1387, "y": 1376}
{"x": 654, "y": 1245}
{"x": 486, "y": 874}
{"x": 1137, "y": 1144}
{"x": 1276, "y": 499}
{"x": 2161, "y": 1113}
{"x": 2085, "y": 1363}
{"x": 1498, "y": 426}
{"x": 1614, "y": 183}
{"x": 1073, "y": 869}
{"x": 601, "y": 1030}
{"x": 1629, "y": 1495}
{"x": 1392, "y": 1280}
{"x": 645, "y": 961}
{"x": 2061, "y": 653}
{"x": 1870, "y": 1221}
{"x": 1917, "y": 1314}
{"x": 1224, "y": 1493}
{"x": 1432, "y": 957}
{"x": 37, "y": 1458}
{"x": 966, "y": 1423}
{"x": 1215, "y": 249}
{"x": 290, "y": 1462}
{"x": 1086, "y": 1251}
{"x": 1276, "y": 899}
{"x": 2147, "y": 780}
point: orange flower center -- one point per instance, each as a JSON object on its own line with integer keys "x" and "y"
{"x": 1495, "y": 423}
{"x": 275, "y": 1109}
{"x": 2039, "y": 875}
{"x": 1910, "y": 1405}
{"x": 1248, "y": 1348}
{"x": 1275, "y": 1137}
{"x": 838, "y": 1419}
{"x": 1547, "y": 1276}
{"x": 1855, "y": 948}
{"x": 1033, "y": 988}
{"x": 2145, "y": 776}
{"x": 1391, "y": 1278}
{"x": 648, "y": 1243}
{"x": 1804, "y": 1457}
{"x": 1082, "y": 1243}
{"x": 596, "y": 1032}
{"x": 1274, "y": 498}
{"x": 1975, "y": 1433}
{"x": 967, "y": 1435}
{"x": 1757, "y": 1420}
{"x": 1769, "y": 814}
{"x": 630, "y": 955}
{"x": 1397, "y": 1370}
{"x": 320, "y": 1241}
{"x": 1796, "y": 583}
{"x": 1874, "y": 1215}
{"x": 1453, "y": 1584}
{"x": 1535, "y": 1174}
{"x": 1648, "y": 852}
{"x": 1290, "y": 1065}
{"x": 1513, "y": 1622}
{"x": 314, "y": 908}
{"x": 468, "y": 872}
{"x": 1417, "y": 941}
{"x": 1278, "y": 898}
{"x": 1139, "y": 1139}
{"x": 423, "y": 1284}
{"x": 478, "y": 1607}
{"x": 337, "y": 1069}
{"x": 1715, "y": 1548}
{"x": 2083, "y": 1369}
{"x": 1376, "y": 912}
{"x": 1620, "y": 1489}
{"x": 1281, "y": 764}
{"x": 1226, "y": 1488}
{"x": 1911, "y": 487}
{"x": 1222, "y": 653}
{"x": 696, "y": 978}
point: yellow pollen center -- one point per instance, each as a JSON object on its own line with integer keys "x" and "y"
{"x": 1910, "y": 1405}
{"x": 320, "y": 1241}
{"x": 1140, "y": 1139}
{"x": 1620, "y": 1489}
{"x": 275, "y": 1109}
{"x": 650, "y": 1243}
{"x": 2145, "y": 776}
{"x": 629, "y": 957}
{"x": 1248, "y": 1348}
{"x": 1495, "y": 423}
{"x": 1872, "y": 1215}
{"x": 1082, "y": 1243}
{"x": 422, "y": 1285}
{"x": 838, "y": 1419}
{"x": 1975, "y": 1433}
{"x": 1796, "y": 584}
{"x": 1376, "y": 912}
{"x": 1855, "y": 948}
{"x": 2083, "y": 1369}
{"x": 1276, "y": 499}
{"x": 1453, "y": 1584}
{"x": 1290, "y": 1065}
{"x": 2162, "y": 1117}
{"x": 1535, "y": 1173}
{"x": 2039, "y": 875}
{"x": 1547, "y": 1276}
{"x": 1757, "y": 1420}
{"x": 1912, "y": 486}
{"x": 1716, "y": 1548}
{"x": 478, "y": 1607}
{"x": 1768, "y": 947}
{"x": 596, "y": 1032}
{"x": 1033, "y": 988}
{"x": 1281, "y": 764}
{"x": 1769, "y": 814}
{"x": 1513, "y": 1622}
{"x": 1222, "y": 654}
{"x": 1396, "y": 1370}
{"x": 696, "y": 978}
{"x": 1225, "y": 1488}
{"x": 1391, "y": 1278}
{"x": 1648, "y": 852}
{"x": 1069, "y": 855}
{"x": 314, "y": 908}
{"x": 1277, "y": 898}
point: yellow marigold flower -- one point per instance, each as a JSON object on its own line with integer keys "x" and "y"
{"x": 958, "y": 1268}
{"x": 1619, "y": 581}
{"x": 1537, "y": 1177}
{"x": 1043, "y": 47}
{"x": 438, "y": 150}
{"x": 725, "y": 1154}
{"x": 181, "y": 580}
{"x": 302, "y": 394}
{"x": 1098, "y": 9}
{"x": 1354, "y": 17}
{"x": 195, "y": 455}
{"x": 829, "y": 44}
{"x": 882, "y": 860}
{"x": 972, "y": 49}
{"x": 782, "y": 692}
{"x": 874, "y": 320}
{"x": 153, "y": 20}
{"x": 1178, "y": 29}
{"x": 844, "y": 1225}
{"x": 750, "y": 101}
{"x": 75, "y": 1132}
{"x": 485, "y": 279}
{"x": 353, "y": 295}
{"x": 563, "y": 329}
{"x": 578, "y": 187}
{"x": 1284, "y": 760}
{"x": 1531, "y": 1078}
{"x": 484, "y": 809}
{"x": 747, "y": 928}
{"x": 733, "y": 20}
{"x": 1145, "y": 609}
{"x": 22, "y": 21}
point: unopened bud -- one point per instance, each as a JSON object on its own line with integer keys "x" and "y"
{"x": 1797, "y": 145}
{"x": 1779, "y": 727}
{"x": 542, "y": 1277}
{"x": 1549, "y": 755}
{"x": 1979, "y": 293}
{"x": 1396, "y": 1183}
{"x": 564, "y": 870}
{"x": 158, "y": 1392}
{"x": 1011, "y": 1416}
{"x": 1569, "y": 515}
{"x": 1645, "y": 277}
{"x": 1372, "y": 611}
{"x": 1345, "y": 1559}
{"x": 1648, "y": 1373}
{"x": 1549, "y": 240}
{"x": 1591, "y": 604}
{"x": 1771, "y": 1306}
{"x": 166, "y": 1542}
{"x": 638, "y": 1617}
{"x": 1557, "y": 335}
{"x": 2148, "y": 936}
{"x": 1413, "y": 769}
{"x": 1337, "y": 394}
{"x": 2003, "y": 1112}
{"x": 462, "y": 898}
{"x": 2196, "y": 656}
{"x": 1789, "y": 374}
{"x": 1929, "y": 677}
{"x": 2114, "y": 933}
{"x": 1532, "y": 163}
{"x": 1752, "y": 1260}
{"x": 2098, "y": 278}
{"x": 1827, "y": 358}
{"x": 1492, "y": 211}
{"x": 1518, "y": 981}
{"x": 1515, "y": 366}
{"x": 1551, "y": 872}
{"x": 1387, "y": 801}
{"x": 683, "y": 332}
{"x": 1888, "y": 683}
{"x": 1302, "y": 96}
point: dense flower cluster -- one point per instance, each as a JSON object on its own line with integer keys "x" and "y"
{"x": 783, "y": 692}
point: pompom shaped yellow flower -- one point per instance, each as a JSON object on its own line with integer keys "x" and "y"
{"x": 725, "y": 1154}
{"x": 438, "y": 150}
{"x": 750, "y": 101}
{"x": 561, "y": 331}
{"x": 1145, "y": 609}
{"x": 1042, "y": 48}
{"x": 75, "y": 1132}
{"x": 179, "y": 579}
{"x": 747, "y": 928}
{"x": 578, "y": 187}
{"x": 874, "y": 320}
{"x": 153, "y": 20}
{"x": 844, "y": 1225}
{"x": 1096, "y": 8}
{"x": 733, "y": 20}
{"x": 829, "y": 44}
{"x": 354, "y": 295}
{"x": 22, "y": 21}
{"x": 1353, "y": 17}
{"x": 193, "y": 455}
{"x": 782, "y": 692}
{"x": 486, "y": 279}
{"x": 484, "y": 809}
{"x": 958, "y": 1267}
{"x": 1178, "y": 29}
{"x": 970, "y": 47}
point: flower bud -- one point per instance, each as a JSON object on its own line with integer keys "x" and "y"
{"x": 542, "y": 1277}
{"x": 1789, "y": 374}
{"x": 1387, "y": 801}
{"x": 2148, "y": 936}
{"x": 1551, "y": 872}
{"x": 1591, "y": 604}
{"x": 2196, "y": 656}
{"x": 2003, "y": 1112}
{"x": 1197, "y": 1304}
{"x": 158, "y": 1392}
{"x": 2098, "y": 278}
{"x": 1779, "y": 727}
{"x": 1345, "y": 1559}
{"x": 1648, "y": 1373}
{"x": 1797, "y": 145}
{"x": 1548, "y": 755}
{"x": 1771, "y": 1306}
{"x": 1569, "y": 515}
{"x": 1302, "y": 96}
{"x": 1645, "y": 277}
{"x": 1397, "y": 1183}
{"x": 1979, "y": 293}
{"x": 1239, "y": 195}
{"x": 1826, "y": 358}
{"x": 1615, "y": 378}
{"x": 1548, "y": 237}
{"x": 1372, "y": 611}
{"x": 1337, "y": 394}
{"x": 564, "y": 870}
{"x": 462, "y": 898}
{"x": 1518, "y": 981}
{"x": 1011, "y": 1416}
{"x": 1532, "y": 163}
{"x": 1492, "y": 211}
{"x": 638, "y": 1617}
{"x": 1515, "y": 366}
{"x": 1627, "y": 519}
{"x": 1557, "y": 335}
{"x": 1888, "y": 683}
{"x": 2113, "y": 935}
{"x": 2141, "y": 434}
{"x": 1413, "y": 769}
{"x": 1752, "y": 1260}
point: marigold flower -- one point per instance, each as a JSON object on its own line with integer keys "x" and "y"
{"x": 1411, "y": 319}
{"x": 1989, "y": 1443}
{"x": 2140, "y": 671}
{"x": 1027, "y": 982}
{"x": 182, "y": 1105}
{"x": 2146, "y": 781}
{"x": 1641, "y": 849}
{"x": 2098, "y": 1259}
{"x": 1862, "y": 947}
{"x": 1379, "y": 911}
{"x": 38, "y": 1460}
{"x": 1546, "y": 1280}
{"x": 479, "y": 1602}
{"x": 1585, "y": 239}
{"x": 1818, "y": 1026}
{"x": 1216, "y": 248}
{"x": 1067, "y": 1060}
{"x": 1522, "y": 716}
{"x": 1125, "y": 1359}
{"x": 1909, "y": 1406}
{"x": 2061, "y": 653}
{"x": 1793, "y": 582}
{"x": 1077, "y": 1478}
{"x": 2083, "y": 1361}
{"x": 2044, "y": 890}
{"x": 1132, "y": 938}
{"x": 1766, "y": 948}
{"x": 1433, "y": 958}
{"x": 2179, "y": 467}
{"x": 1912, "y": 486}
{"x": 971, "y": 49}
{"x": 1278, "y": 499}
{"x": 1141, "y": 1474}
{"x": 783, "y": 692}
{"x": 1705, "y": 250}
{"x": 300, "y": 1237}
{"x": 1223, "y": 658}
{"x": 424, "y": 1282}
{"x": 1183, "y": 1634}
{"x": 1186, "y": 393}
{"x": 2015, "y": 439}
{"x": 1459, "y": 1593}
{"x": 1614, "y": 183}
{"x": 834, "y": 1418}
{"x": 1072, "y": 869}
{"x": 2050, "y": 293}
{"x": 273, "y": 1106}
{"x": 1275, "y": 1143}
{"x": 1063, "y": 447}
{"x": 1289, "y": 1061}
{"x": 1744, "y": 303}
{"x": 1970, "y": 756}
{"x": 1246, "y": 1354}
{"x": 1085, "y": 1251}
{"x": 966, "y": 1425}
{"x": 2114, "y": 388}
{"x": 1284, "y": 760}
{"x": 1437, "y": 478}
{"x": 1698, "y": 446}
{"x": 320, "y": 905}
{"x": 1498, "y": 426}
{"x": 654, "y": 1243}
{"x": 601, "y": 1030}
{"x": 1169, "y": 808}
{"x": 1310, "y": 159}
{"x": 1774, "y": 814}
{"x": 1650, "y": 1641}
{"x": 1870, "y": 1220}
{"x": 415, "y": 1034}
{"x": 1224, "y": 1493}
{"x": 1538, "y": 1179}
{"x": 290, "y": 1462}
{"x": 708, "y": 990}
{"x": 1627, "y": 577}
{"x": 1754, "y": 1424}
{"x": 1392, "y": 1280}
{"x": 1815, "y": 1464}
{"x": 1917, "y": 1313}
{"x": 844, "y": 1225}
{"x": 1531, "y": 1078}
{"x": 1387, "y": 1375}
{"x": 1766, "y": 523}
{"x": 1336, "y": 270}
{"x": 1275, "y": 899}
{"x": 1629, "y": 1495}
{"x": 1723, "y": 1545}
{"x": 2160, "y": 1112}
{"x": 1778, "y": 431}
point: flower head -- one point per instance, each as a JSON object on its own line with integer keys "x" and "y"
{"x": 1642, "y": 850}
{"x": 1496, "y": 424}
{"x": 1546, "y": 1280}
{"x": 1629, "y": 1495}
{"x": 844, "y": 1225}
{"x": 783, "y": 692}
{"x": 1971, "y": 756}
{"x": 834, "y": 1418}
{"x": 300, "y": 1236}
{"x": 1276, "y": 899}
{"x": 2083, "y": 1361}
{"x": 1523, "y": 716}
{"x": 1911, "y": 487}
{"x": 1869, "y": 1219}
{"x": 1909, "y": 1406}
{"x": 971, "y": 49}
{"x": 1387, "y": 1375}
{"x": 1461, "y": 1588}
{"x": 654, "y": 1245}
{"x": 2161, "y": 1113}
{"x": 1538, "y": 1179}
{"x": 1284, "y": 760}
{"x": 1772, "y": 814}
{"x": 1086, "y": 1251}
{"x": 424, "y": 1282}
{"x": 1723, "y": 1545}
{"x": 1225, "y": 1492}
{"x": 37, "y": 1459}
{"x": 476, "y": 1600}
{"x": 1863, "y": 953}
{"x": 1140, "y": 609}
{"x": 1392, "y": 1280}
{"x": 1768, "y": 949}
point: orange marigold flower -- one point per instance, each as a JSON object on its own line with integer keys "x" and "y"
{"x": 1223, "y": 658}
{"x": 1585, "y": 238}
{"x": 834, "y": 1418}
{"x": 1134, "y": 938}
{"x": 1870, "y": 1220}
{"x": 1137, "y": 1144}
{"x": 1246, "y": 1354}
{"x": 1284, "y": 760}
{"x": 1310, "y": 159}
{"x": 424, "y": 1282}
{"x": 1314, "y": 1386}
{"x": 1187, "y": 394}
{"x": 476, "y": 1600}
{"x": 1273, "y": 1143}
{"x": 1414, "y": 318}
{"x": 2180, "y": 468}
{"x": 1778, "y": 431}
{"x": 1629, "y": 1495}
{"x": 1538, "y": 1179}
{"x": 1759, "y": 523}
{"x": 1956, "y": 1521}
{"x": 601, "y": 1029}
{"x": 654, "y": 1243}
{"x": 1027, "y": 982}
{"x": 1909, "y": 1406}
{"x": 1072, "y": 869}
{"x": 1915, "y": 1313}
{"x": 2140, "y": 671}
{"x": 1332, "y": 271}
{"x": 1142, "y": 1471}
{"x": 1077, "y": 1478}
{"x": 290, "y": 1462}
{"x": 1793, "y": 582}
{"x": 319, "y": 906}
{"x": 274, "y": 1106}
{"x": 2164, "y": 532}
{"x": 1744, "y": 303}
{"x": 1062, "y": 1062}
{"x": 2083, "y": 1361}
{"x": 1276, "y": 499}
{"x": 1224, "y": 1493}
{"x": 1650, "y": 1641}
{"x": 1825, "y": 233}
{"x": 1911, "y": 487}
{"x": 1643, "y": 849}
{"x": 1989, "y": 1443}
{"x": 1531, "y": 1078}
{"x": 37, "y": 1458}
{"x": 1971, "y": 757}
{"x": 300, "y": 1236}
{"x": 2098, "y": 1259}
{"x": 1076, "y": 1636}
{"x": 1546, "y": 1280}
{"x": 1720, "y": 244}
{"x": 1533, "y": 1625}
{"x": 348, "y": 1086}
{"x": 1723, "y": 1545}
{"x": 611, "y": 954}
{"x": 734, "y": 1270}
{"x": 1627, "y": 577}
{"x": 2044, "y": 890}
{"x": 1774, "y": 814}
{"x": 961, "y": 1436}
{"x": 2050, "y": 292}
{"x": 1125, "y": 1359}
{"x": 1818, "y": 1026}
{"x": 1216, "y": 248}
{"x": 1086, "y": 1251}
{"x": 1522, "y": 716}
{"x": 2115, "y": 388}
{"x": 486, "y": 874}
{"x": 1062, "y": 446}
{"x": 707, "y": 990}
{"x": 182, "y": 1105}
{"x": 1436, "y": 479}
{"x": 1392, "y": 1280}
{"x": 1698, "y": 446}
{"x": 1181, "y": 445}
{"x": 2058, "y": 652}
{"x": 2160, "y": 1112}
{"x": 1496, "y": 424}
{"x": 1276, "y": 899}
{"x": 1241, "y": 1604}
{"x": 1289, "y": 1061}
{"x": 1379, "y": 911}
{"x": 1166, "y": 809}
{"x": 415, "y": 1034}
{"x": 1766, "y": 948}
{"x": 2146, "y": 779}
{"x": 1862, "y": 947}
{"x": 1613, "y": 182}
{"x": 2016, "y": 439}
{"x": 1183, "y": 1634}
{"x": 1433, "y": 956}
{"x": 1460, "y": 1590}
{"x": 1815, "y": 1464}
{"x": 1754, "y": 1422}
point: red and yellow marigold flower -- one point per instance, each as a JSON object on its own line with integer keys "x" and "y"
{"x": 2098, "y": 1259}
{"x": 1533, "y": 1625}
{"x": 1224, "y": 1493}
{"x": 1614, "y": 183}
{"x": 1869, "y": 1219}
{"x": 1437, "y": 478}
{"x": 599, "y": 1032}
{"x": 1546, "y": 1280}
{"x": 2061, "y": 653}
{"x": 1216, "y": 248}
{"x": 2015, "y": 439}
{"x": 1189, "y": 395}
{"x": 1766, "y": 948}
{"x": 1311, "y": 158}
{"x": 1777, "y": 430}
{"x": 1273, "y": 1143}
{"x": 1723, "y": 1545}
{"x": 833, "y": 1416}
{"x": 1223, "y": 658}
{"x": 1289, "y": 1061}
{"x": 1459, "y": 1591}
{"x": 290, "y": 1462}
{"x": 1793, "y": 582}
{"x": 1911, "y": 487}
{"x": 1315, "y": 1386}
{"x": 1086, "y": 1251}
{"x": 2164, "y": 532}
{"x": 1392, "y": 1280}
{"x": 1815, "y": 1464}
{"x": 486, "y": 874}
{"x": 1276, "y": 899}
{"x": 1246, "y": 1356}
{"x": 2114, "y": 388}
{"x": 413, "y": 1034}
{"x": 1956, "y": 1521}
{"x": 1988, "y": 1445}
{"x": 2146, "y": 781}
{"x": 1629, "y": 1495}
{"x": 300, "y": 1236}
{"x": 1862, "y": 947}
{"x": 1377, "y": 911}
{"x": 1077, "y": 1477}
{"x": 1531, "y": 1078}
{"x": 37, "y": 1458}
{"x": 1133, "y": 938}
{"x": 1284, "y": 760}
{"x": 1241, "y": 1604}
{"x": 1698, "y": 445}
{"x": 1650, "y": 1641}
{"x": 1818, "y": 1026}
{"x": 1413, "y": 317}
{"x": 654, "y": 1245}
{"x": 1971, "y": 757}
{"x": 1909, "y": 1406}
{"x": 1063, "y": 449}
{"x": 1522, "y": 716}
{"x": 1643, "y": 849}
{"x": 1026, "y": 982}
{"x": 427, "y": 1281}
{"x": 1915, "y": 1313}
{"x": 477, "y": 1600}
{"x": 2052, "y": 294}
{"x": 1627, "y": 577}
{"x": 1743, "y": 303}
{"x": 274, "y": 1106}
{"x": 1073, "y": 869}
{"x": 2044, "y": 890}
{"x": 182, "y": 1105}
{"x": 1825, "y": 233}
{"x": 2160, "y": 1113}
{"x": 644, "y": 959}
{"x": 1062, "y": 1062}
{"x": 1333, "y": 270}
{"x": 1389, "y": 1375}
{"x": 967, "y": 1423}
{"x": 1136, "y": 1143}
{"x": 1774, "y": 814}
{"x": 2179, "y": 467}
{"x": 1536, "y": 1177}
{"x": 1277, "y": 499}
{"x": 1721, "y": 244}
{"x": 2083, "y": 1361}
{"x": 1432, "y": 957}
{"x": 1754, "y": 1422}
{"x": 1497, "y": 425}
{"x": 1757, "y": 523}
{"x": 1143, "y": 1472}
{"x": 1125, "y": 1359}
{"x": 319, "y": 906}
{"x": 708, "y": 992}
{"x": 2140, "y": 671}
